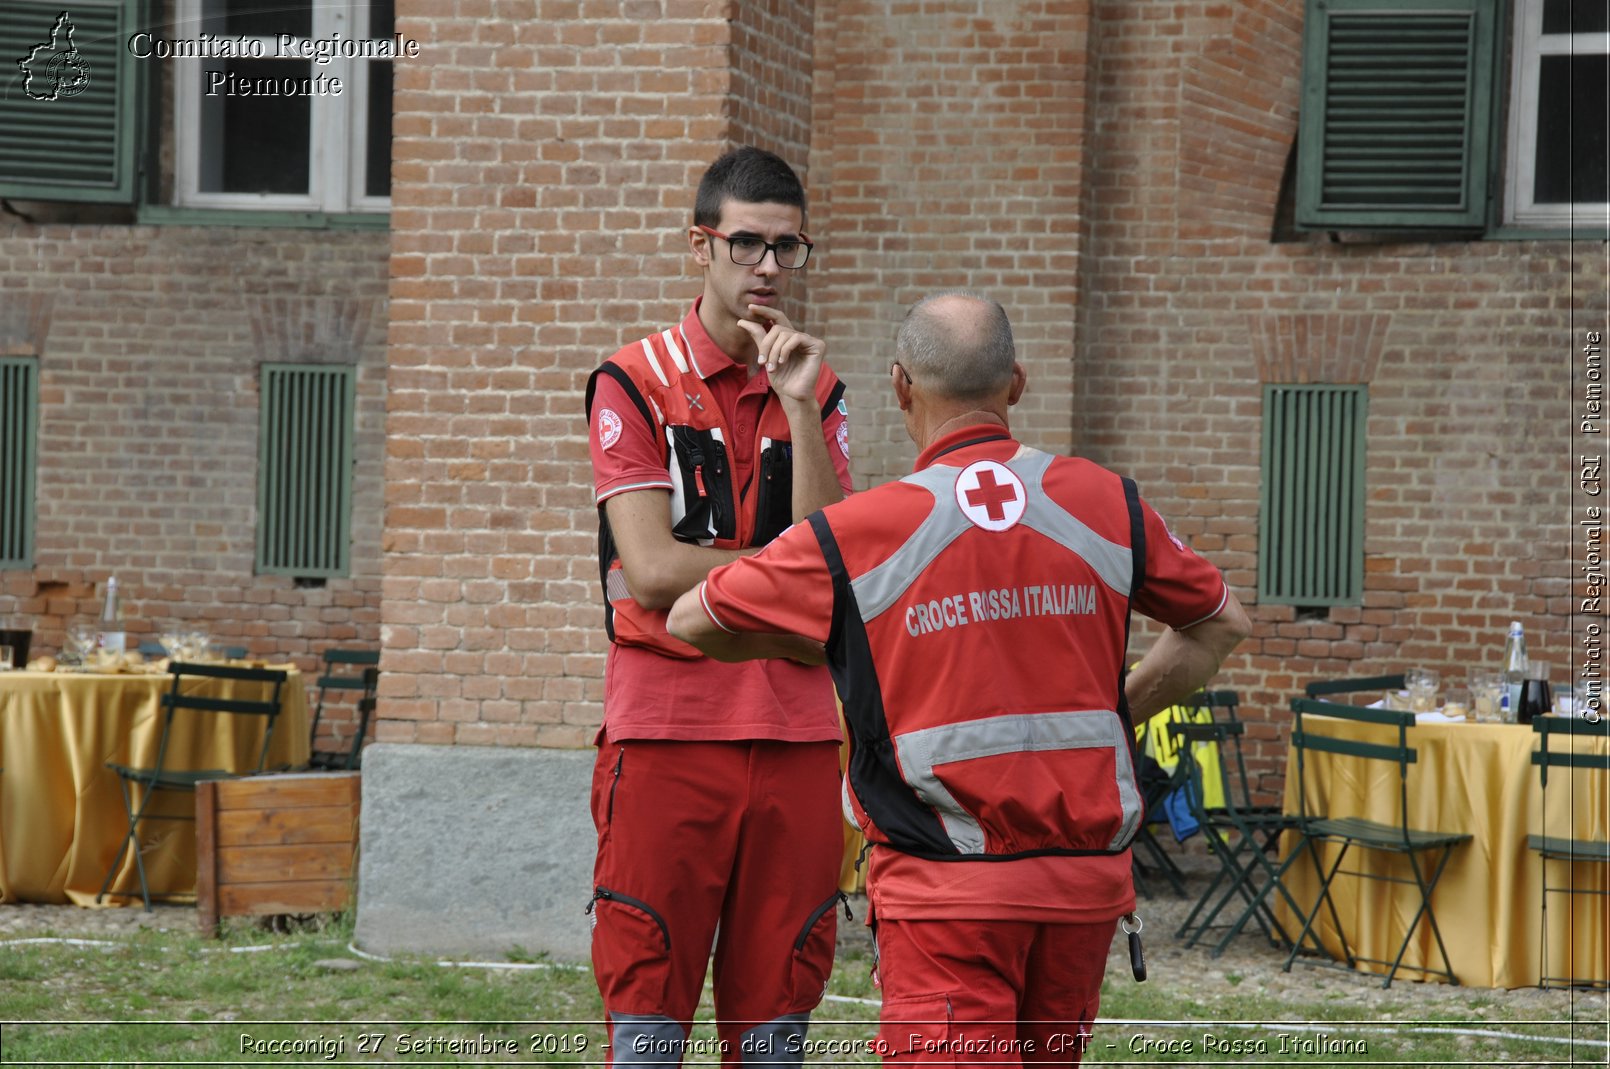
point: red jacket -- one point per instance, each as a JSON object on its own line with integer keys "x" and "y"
{"x": 980, "y": 619}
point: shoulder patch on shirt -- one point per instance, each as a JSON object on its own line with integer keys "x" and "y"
{"x": 609, "y": 427}
{"x": 844, "y": 437}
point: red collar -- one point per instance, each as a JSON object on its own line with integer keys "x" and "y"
{"x": 962, "y": 438}
{"x": 706, "y": 357}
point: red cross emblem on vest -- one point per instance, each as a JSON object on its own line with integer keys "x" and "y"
{"x": 991, "y": 495}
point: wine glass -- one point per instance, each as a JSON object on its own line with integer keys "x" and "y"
{"x": 173, "y": 640}
{"x": 81, "y": 641}
{"x": 1422, "y": 684}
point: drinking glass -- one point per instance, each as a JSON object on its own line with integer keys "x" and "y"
{"x": 200, "y": 644}
{"x": 81, "y": 642}
{"x": 7, "y": 658}
{"x": 1486, "y": 696}
{"x": 173, "y": 641}
{"x": 1422, "y": 684}
{"x": 1456, "y": 704}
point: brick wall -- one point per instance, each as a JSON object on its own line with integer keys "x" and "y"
{"x": 947, "y": 152}
{"x": 1111, "y": 171}
{"x": 546, "y": 155}
{"x": 1189, "y": 308}
{"x": 149, "y": 341}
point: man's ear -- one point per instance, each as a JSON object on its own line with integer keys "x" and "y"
{"x": 902, "y": 388}
{"x": 699, "y": 244}
{"x": 1020, "y": 382}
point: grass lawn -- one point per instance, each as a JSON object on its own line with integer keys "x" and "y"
{"x": 257, "y": 998}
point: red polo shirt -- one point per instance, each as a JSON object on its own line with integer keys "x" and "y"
{"x": 647, "y": 696}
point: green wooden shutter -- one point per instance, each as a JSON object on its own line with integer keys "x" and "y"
{"x": 68, "y": 109}
{"x": 1396, "y": 114}
{"x": 304, "y": 491}
{"x": 19, "y": 421}
{"x": 1311, "y": 530}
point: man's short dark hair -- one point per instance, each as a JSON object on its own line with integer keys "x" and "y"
{"x": 751, "y": 175}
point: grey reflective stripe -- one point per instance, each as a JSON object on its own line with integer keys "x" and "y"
{"x": 646, "y": 1039}
{"x": 1111, "y": 561}
{"x": 879, "y": 588}
{"x": 920, "y": 751}
{"x": 780, "y": 1041}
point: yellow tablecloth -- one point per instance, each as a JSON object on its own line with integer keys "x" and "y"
{"x": 61, "y": 808}
{"x": 1475, "y": 778}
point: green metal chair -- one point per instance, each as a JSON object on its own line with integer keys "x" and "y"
{"x": 1426, "y": 852}
{"x": 1148, "y": 854}
{"x": 1244, "y": 836}
{"x": 1328, "y": 688}
{"x": 1567, "y": 851}
{"x": 146, "y": 783}
{"x": 346, "y": 672}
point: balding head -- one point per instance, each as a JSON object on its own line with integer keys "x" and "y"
{"x": 957, "y": 344}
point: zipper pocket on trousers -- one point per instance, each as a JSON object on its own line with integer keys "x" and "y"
{"x": 810, "y": 923}
{"x": 632, "y": 903}
{"x": 614, "y": 785}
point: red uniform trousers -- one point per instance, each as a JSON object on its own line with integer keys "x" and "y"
{"x": 747, "y": 834}
{"x": 989, "y": 992}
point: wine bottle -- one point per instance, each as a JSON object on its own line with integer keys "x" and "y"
{"x": 1514, "y": 669}
{"x": 110, "y": 635}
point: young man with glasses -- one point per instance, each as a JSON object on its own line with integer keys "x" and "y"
{"x": 715, "y": 791}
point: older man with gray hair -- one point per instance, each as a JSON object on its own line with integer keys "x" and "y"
{"x": 975, "y": 616}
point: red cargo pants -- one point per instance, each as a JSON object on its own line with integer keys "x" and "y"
{"x": 746, "y": 835}
{"x": 989, "y": 992}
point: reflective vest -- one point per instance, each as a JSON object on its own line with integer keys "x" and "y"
{"x": 981, "y": 656}
{"x": 707, "y": 508}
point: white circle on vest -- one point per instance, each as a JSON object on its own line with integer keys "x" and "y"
{"x": 991, "y": 495}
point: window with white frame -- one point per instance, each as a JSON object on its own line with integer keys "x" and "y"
{"x": 1557, "y": 168}
{"x": 290, "y": 106}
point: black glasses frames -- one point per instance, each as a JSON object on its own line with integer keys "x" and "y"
{"x": 747, "y": 251}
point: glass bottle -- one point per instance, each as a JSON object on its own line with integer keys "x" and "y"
{"x": 1514, "y": 669}
{"x": 110, "y": 634}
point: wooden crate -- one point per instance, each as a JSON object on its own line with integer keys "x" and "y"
{"x": 276, "y": 844}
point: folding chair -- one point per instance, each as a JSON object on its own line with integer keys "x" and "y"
{"x": 1396, "y": 838}
{"x": 345, "y": 671}
{"x": 1242, "y": 835}
{"x": 1162, "y": 776}
{"x": 1592, "y": 753}
{"x": 1155, "y": 789}
{"x": 1326, "y": 688}
{"x": 160, "y": 777}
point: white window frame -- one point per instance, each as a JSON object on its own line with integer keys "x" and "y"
{"x": 337, "y": 158}
{"x": 1530, "y": 46}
